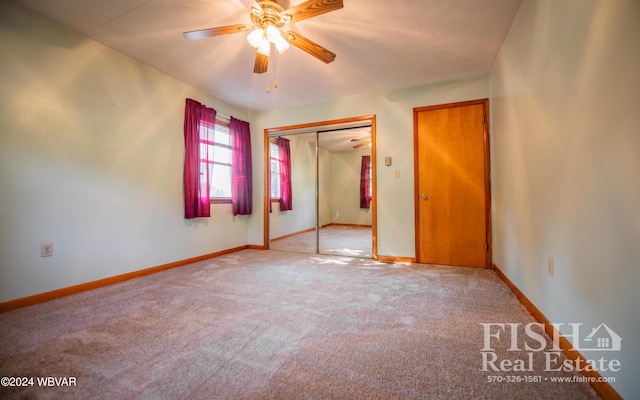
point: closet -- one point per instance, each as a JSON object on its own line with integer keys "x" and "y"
{"x": 332, "y": 188}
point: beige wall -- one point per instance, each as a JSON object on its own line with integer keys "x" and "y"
{"x": 91, "y": 153}
{"x": 566, "y": 166}
{"x": 345, "y": 196}
{"x": 394, "y": 118}
{"x": 303, "y": 187}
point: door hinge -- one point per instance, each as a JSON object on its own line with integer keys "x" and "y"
{"x": 486, "y": 246}
{"x": 484, "y": 119}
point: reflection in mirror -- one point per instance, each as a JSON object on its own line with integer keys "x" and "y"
{"x": 337, "y": 222}
{"x": 294, "y": 229}
{"x": 345, "y": 220}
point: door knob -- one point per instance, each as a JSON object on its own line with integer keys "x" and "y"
{"x": 424, "y": 196}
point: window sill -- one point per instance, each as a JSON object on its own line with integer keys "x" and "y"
{"x": 220, "y": 200}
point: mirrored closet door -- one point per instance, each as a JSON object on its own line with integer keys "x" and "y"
{"x": 322, "y": 188}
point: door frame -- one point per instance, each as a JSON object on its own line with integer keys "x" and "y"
{"x": 487, "y": 172}
{"x": 267, "y": 171}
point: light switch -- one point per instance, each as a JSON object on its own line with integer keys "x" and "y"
{"x": 387, "y": 161}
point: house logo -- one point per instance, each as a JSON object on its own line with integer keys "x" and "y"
{"x": 602, "y": 338}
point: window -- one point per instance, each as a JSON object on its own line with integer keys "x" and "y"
{"x": 275, "y": 170}
{"x": 217, "y": 162}
{"x": 220, "y": 159}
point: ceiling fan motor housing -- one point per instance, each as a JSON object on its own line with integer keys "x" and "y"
{"x": 269, "y": 13}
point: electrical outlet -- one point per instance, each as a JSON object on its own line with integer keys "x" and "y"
{"x": 397, "y": 172}
{"x": 550, "y": 266}
{"x": 47, "y": 250}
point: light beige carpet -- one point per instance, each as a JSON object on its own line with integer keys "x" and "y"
{"x": 273, "y": 325}
{"x": 344, "y": 240}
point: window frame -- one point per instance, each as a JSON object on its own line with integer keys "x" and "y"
{"x": 272, "y": 144}
{"x": 226, "y": 124}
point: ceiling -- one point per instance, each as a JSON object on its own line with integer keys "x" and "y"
{"x": 337, "y": 138}
{"x": 380, "y": 45}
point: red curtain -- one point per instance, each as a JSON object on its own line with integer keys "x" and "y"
{"x": 365, "y": 182}
{"x": 286, "y": 194}
{"x": 199, "y": 123}
{"x": 241, "y": 170}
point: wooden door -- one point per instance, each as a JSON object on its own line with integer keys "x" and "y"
{"x": 452, "y": 184}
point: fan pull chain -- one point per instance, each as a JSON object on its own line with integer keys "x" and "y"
{"x": 273, "y": 71}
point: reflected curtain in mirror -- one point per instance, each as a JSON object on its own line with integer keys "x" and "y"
{"x": 286, "y": 194}
{"x": 241, "y": 172}
{"x": 199, "y": 124}
{"x": 365, "y": 182}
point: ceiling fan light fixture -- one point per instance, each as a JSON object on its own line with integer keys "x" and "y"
{"x": 281, "y": 45}
{"x": 256, "y": 37}
{"x": 264, "y": 48}
{"x": 275, "y": 36}
{"x": 273, "y": 33}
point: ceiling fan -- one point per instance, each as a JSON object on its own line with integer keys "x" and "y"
{"x": 269, "y": 17}
{"x": 362, "y": 141}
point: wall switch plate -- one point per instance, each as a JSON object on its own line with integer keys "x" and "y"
{"x": 46, "y": 250}
{"x": 387, "y": 161}
{"x": 397, "y": 173}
